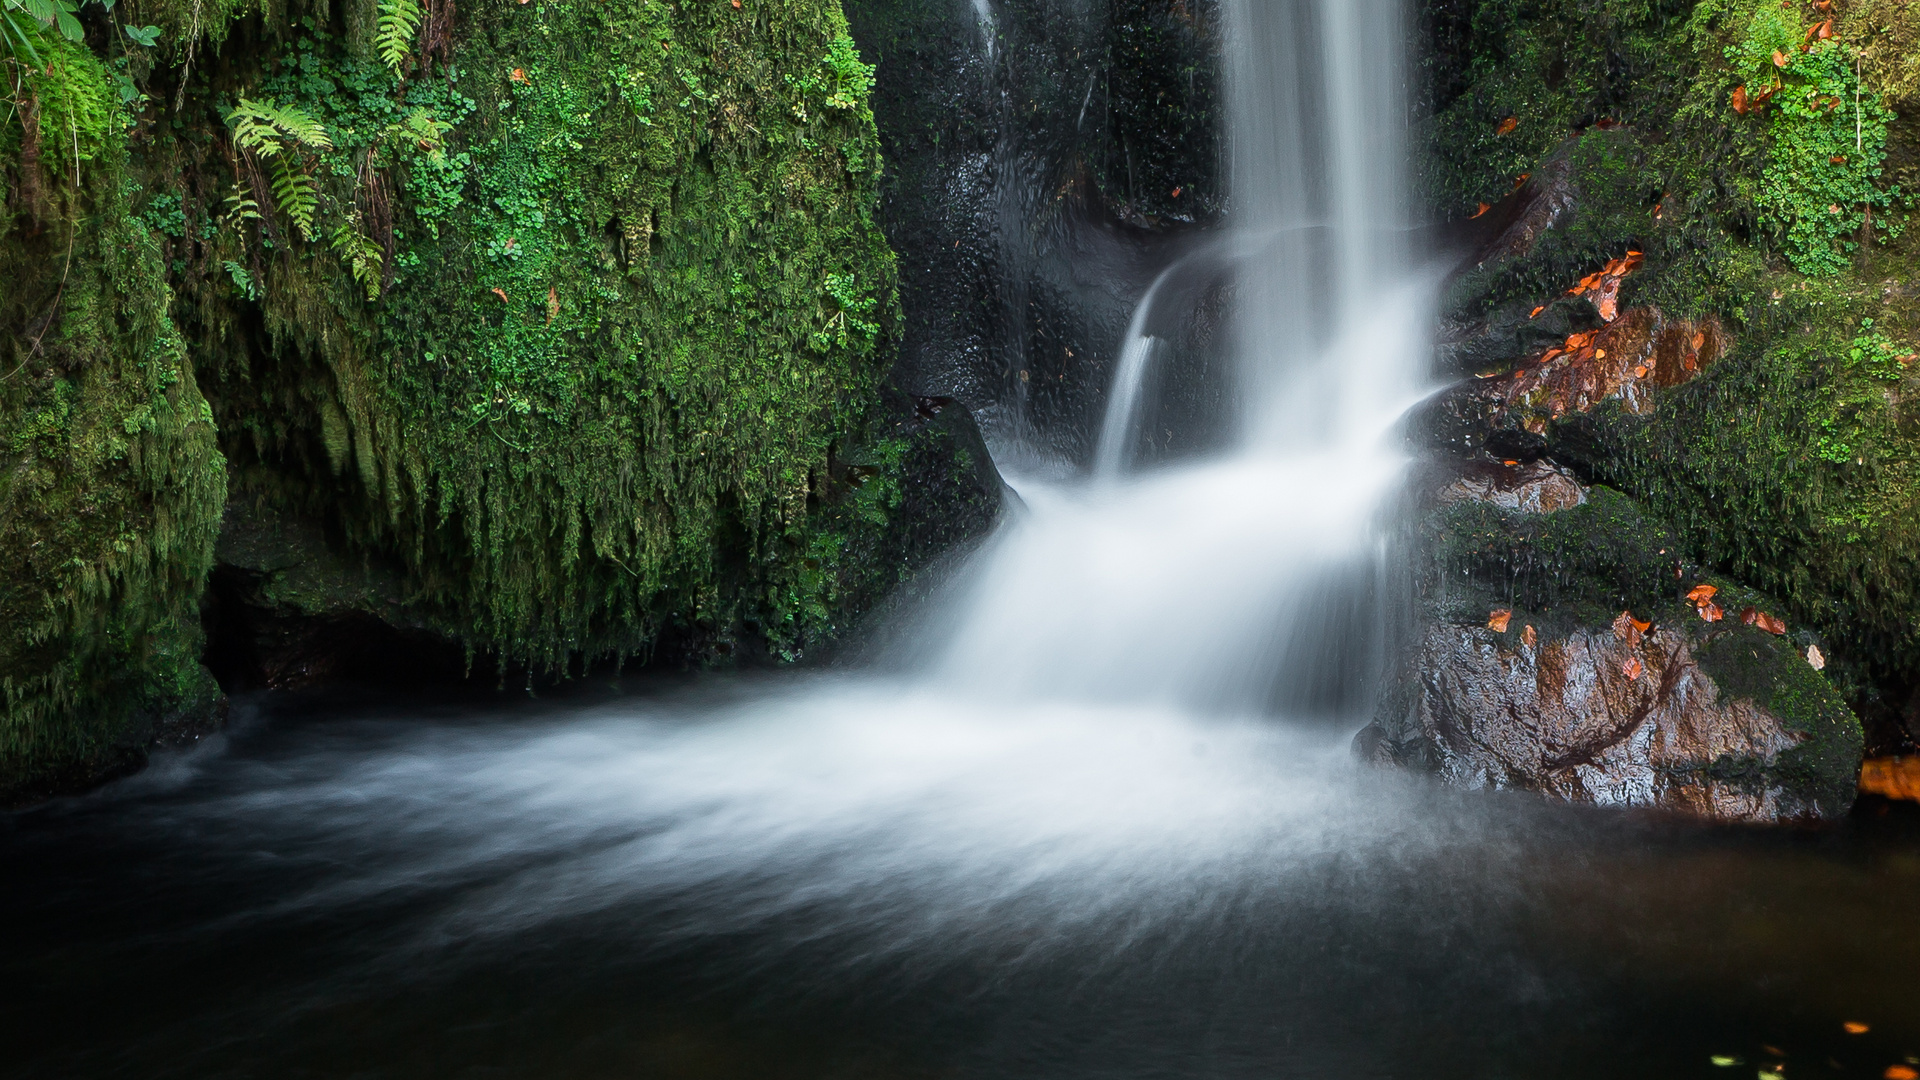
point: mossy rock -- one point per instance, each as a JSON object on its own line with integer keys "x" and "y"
{"x": 110, "y": 501}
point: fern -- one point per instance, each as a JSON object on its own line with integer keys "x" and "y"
{"x": 295, "y": 194}
{"x": 393, "y": 36}
{"x": 363, "y": 257}
{"x": 266, "y": 127}
{"x": 269, "y": 130}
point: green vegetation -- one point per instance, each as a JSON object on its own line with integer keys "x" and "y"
{"x": 575, "y": 313}
{"x": 1789, "y": 463}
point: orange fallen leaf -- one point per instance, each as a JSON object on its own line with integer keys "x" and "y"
{"x": 1770, "y": 624}
{"x": 1640, "y": 371}
{"x": 1837, "y": 159}
{"x": 1700, "y": 594}
{"x": 1779, "y": 58}
{"x": 1176, "y": 193}
{"x": 502, "y": 294}
{"x": 1528, "y": 637}
{"x": 1900, "y": 1072}
{"x": 1536, "y": 311}
{"x": 1894, "y": 778}
{"x": 1633, "y": 668}
{"x": 1497, "y": 620}
{"x": 518, "y": 75}
{"x": 1854, "y": 1027}
{"x": 553, "y": 305}
{"x": 1740, "y": 100}
{"x": 736, "y": 5}
{"x": 1506, "y": 126}
{"x": 1483, "y": 209}
{"x": 1699, "y": 339}
{"x": 1510, "y": 462}
{"x": 1710, "y": 611}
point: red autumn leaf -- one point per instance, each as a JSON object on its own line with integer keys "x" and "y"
{"x": 1176, "y": 193}
{"x": 1824, "y": 30}
{"x": 1749, "y": 614}
{"x": 1498, "y": 619}
{"x": 1740, "y": 100}
{"x": 1770, "y": 624}
{"x": 1483, "y": 209}
{"x": 1633, "y": 668}
{"x": 1710, "y": 611}
{"x": 1629, "y": 629}
{"x": 1700, "y": 594}
{"x": 1506, "y": 126}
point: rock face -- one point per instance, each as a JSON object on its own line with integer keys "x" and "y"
{"x": 1559, "y": 652}
{"x": 1564, "y": 717}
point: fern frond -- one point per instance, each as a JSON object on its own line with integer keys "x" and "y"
{"x": 265, "y": 127}
{"x": 393, "y": 34}
{"x": 296, "y": 195}
{"x": 363, "y": 257}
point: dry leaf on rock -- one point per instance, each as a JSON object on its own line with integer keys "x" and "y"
{"x": 1497, "y": 620}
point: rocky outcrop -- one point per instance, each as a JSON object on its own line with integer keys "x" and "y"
{"x": 1559, "y": 653}
{"x": 1596, "y": 718}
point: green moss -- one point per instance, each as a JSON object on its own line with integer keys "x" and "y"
{"x": 1793, "y": 465}
{"x": 112, "y": 498}
{"x": 633, "y": 304}
{"x": 1746, "y": 663}
{"x": 1574, "y": 568}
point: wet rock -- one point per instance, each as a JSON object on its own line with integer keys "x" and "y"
{"x": 1595, "y": 718}
{"x": 1536, "y": 488}
{"x": 290, "y": 608}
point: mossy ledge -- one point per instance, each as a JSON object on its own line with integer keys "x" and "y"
{"x": 577, "y": 314}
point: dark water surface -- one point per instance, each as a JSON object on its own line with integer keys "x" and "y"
{"x": 845, "y": 878}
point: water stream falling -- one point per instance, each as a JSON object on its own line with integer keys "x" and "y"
{"x": 1098, "y": 820}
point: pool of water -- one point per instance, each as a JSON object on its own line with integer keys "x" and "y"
{"x": 841, "y": 876}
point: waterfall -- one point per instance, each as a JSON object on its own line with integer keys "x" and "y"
{"x": 1253, "y": 580}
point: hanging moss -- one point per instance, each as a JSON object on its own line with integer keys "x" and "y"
{"x": 629, "y": 304}
{"x": 112, "y": 497}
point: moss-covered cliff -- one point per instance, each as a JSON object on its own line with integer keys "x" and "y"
{"x": 1762, "y": 158}
{"x": 575, "y": 313}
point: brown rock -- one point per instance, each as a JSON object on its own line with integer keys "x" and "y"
{"x": 1535, "y": 487}
{"x": 1577, "y": 719}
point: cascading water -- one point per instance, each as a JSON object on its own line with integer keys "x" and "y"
{"x": 1251, "y": 580}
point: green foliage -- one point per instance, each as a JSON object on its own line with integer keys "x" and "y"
{"x": 284, "y": 137}
{"x": 636, "y": 304}
{"x": 113, "y": 495}
{"x": 398, "y": 22}
{"x": 1819, "y": 190}
{"x": 77, "y": 107}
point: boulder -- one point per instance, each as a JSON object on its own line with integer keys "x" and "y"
{"x": 1591, "y": 717}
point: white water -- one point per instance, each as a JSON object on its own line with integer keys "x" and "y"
{"x": 1107, "y": 715}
